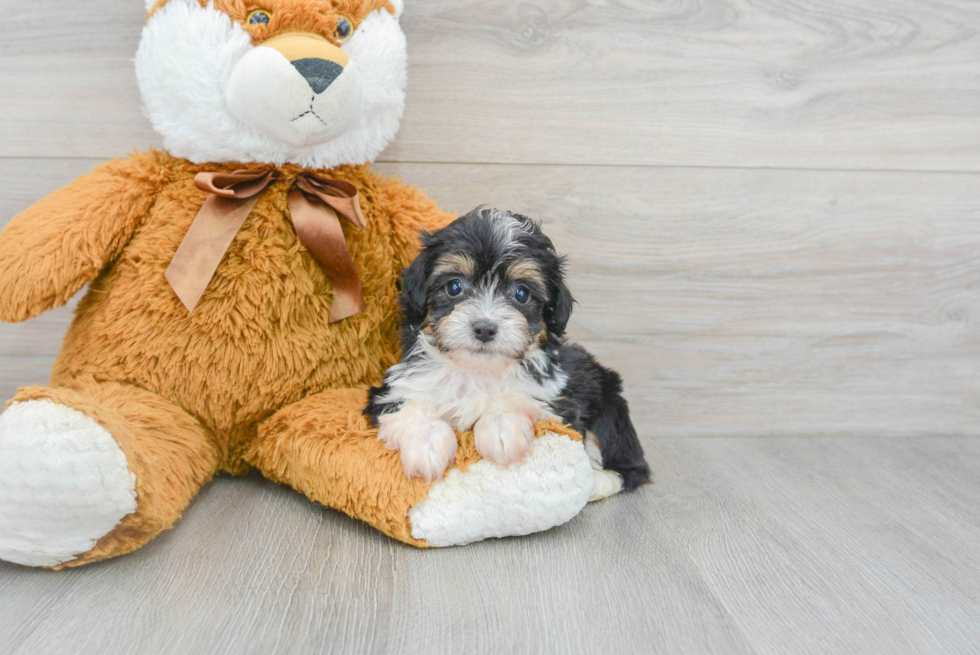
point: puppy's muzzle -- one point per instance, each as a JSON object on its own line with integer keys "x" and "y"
{"x": 317, "y": 60}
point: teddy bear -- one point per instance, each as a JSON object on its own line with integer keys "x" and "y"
{"x": 241, "y": 298}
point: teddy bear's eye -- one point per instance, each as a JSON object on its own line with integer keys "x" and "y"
{"x": 259, "y": 17}
{"x": 344, "y": 28}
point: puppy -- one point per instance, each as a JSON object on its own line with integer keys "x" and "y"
{"x": 484, "y": 313}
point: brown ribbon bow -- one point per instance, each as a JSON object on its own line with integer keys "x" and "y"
{"x": 314, "y": 204}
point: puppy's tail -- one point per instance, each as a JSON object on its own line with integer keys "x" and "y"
{"x": 616, "y": 436}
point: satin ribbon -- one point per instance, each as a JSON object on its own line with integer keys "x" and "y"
{"x": 314, "y": 205}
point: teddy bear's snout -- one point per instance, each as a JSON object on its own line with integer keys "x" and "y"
{"x": 297, "y": 88}
{"x": 317, "y": 60}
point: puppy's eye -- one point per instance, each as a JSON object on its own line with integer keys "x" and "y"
{"x": 344, "y": 28}
{"x": 259, "y": 17}
{"x": 455, "y": 287}
{"x": 522, "y": 294}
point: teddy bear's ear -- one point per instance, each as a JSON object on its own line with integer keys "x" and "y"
{"x": 150, "y": 4}
{"x": 398, "y": 4}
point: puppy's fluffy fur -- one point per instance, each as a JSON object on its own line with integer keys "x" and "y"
{"x": 485, "y": 308}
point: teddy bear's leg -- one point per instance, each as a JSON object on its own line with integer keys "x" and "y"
{"x": 94, "y": 471}
{"x": 324, "y": 447}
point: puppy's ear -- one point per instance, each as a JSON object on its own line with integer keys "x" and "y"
{"x": 414, "y": 299}
{"x": 559, "y": 309}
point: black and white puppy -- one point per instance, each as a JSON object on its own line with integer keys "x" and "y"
{"x": 484, "y": 313}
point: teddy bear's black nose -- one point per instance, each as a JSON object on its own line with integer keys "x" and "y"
{"x": 319, "y": 73}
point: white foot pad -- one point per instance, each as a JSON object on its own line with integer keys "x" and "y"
{"x": 549, "y": 488}
{"x": 607, "y": 483}
{"x": 64, "y": 483}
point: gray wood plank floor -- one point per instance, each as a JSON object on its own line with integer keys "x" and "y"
{"x": 764, "y": 545}
{"x": 772, "y": 212}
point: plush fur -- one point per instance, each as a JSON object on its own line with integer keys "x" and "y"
{"x": 256, "y": 375}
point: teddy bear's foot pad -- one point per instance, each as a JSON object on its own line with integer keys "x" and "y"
{"x": 64, "y": 483}
{"x": 487, "y": 500}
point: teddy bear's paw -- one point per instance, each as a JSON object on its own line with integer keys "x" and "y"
{"x": 64, "y": 483}
{"x": 551, "y": 486}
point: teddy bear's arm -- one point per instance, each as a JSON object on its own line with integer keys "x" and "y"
{"x": 48, "y": 252}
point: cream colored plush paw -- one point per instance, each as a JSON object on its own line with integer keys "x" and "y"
{"x": 551, "y": 486}
{"x": 64, "y": 483}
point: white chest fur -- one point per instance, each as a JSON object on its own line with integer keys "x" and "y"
{"x": 461, "y": 392}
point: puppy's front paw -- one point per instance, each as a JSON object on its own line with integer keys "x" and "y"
{"x": 430, "y": 456}
{"x": 426, "y": 443}
{"x": 503, "y": 437}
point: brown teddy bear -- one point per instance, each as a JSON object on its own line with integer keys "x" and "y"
{"x": 242, "y": 296}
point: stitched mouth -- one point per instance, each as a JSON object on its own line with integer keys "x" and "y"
{"x": 310, "y": 112}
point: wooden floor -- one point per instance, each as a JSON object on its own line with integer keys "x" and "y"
{"x": 772, "y": 212}
{"x": 744, "y": 545}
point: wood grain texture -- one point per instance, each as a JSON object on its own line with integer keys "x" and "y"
{"x": 253, "y": 568}
{"x": 613, "y": 580}
{"x": 734, "y": 302}
{"x": 832, "y": 545}
{"x": 882, "y": 84}
{"x": 837, "y": 545}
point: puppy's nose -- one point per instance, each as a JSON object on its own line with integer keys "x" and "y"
{"x": 484, "y": 331}
{"x": 319, "y": 73}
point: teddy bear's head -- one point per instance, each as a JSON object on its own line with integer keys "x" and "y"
{"x": 318, "y": 83}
